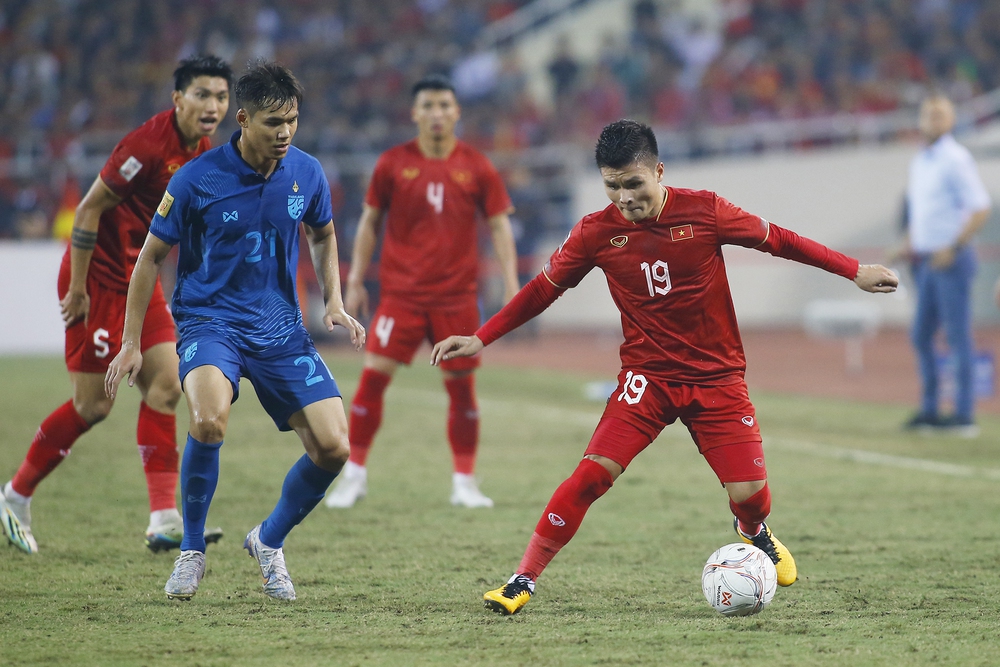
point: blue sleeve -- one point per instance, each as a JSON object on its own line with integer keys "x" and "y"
{"x": 319, "y": 211}
{"x": 169, "y": 219}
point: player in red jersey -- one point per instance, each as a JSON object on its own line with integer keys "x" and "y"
{"x": 661, "y": 250}
{"x": 430, "y": 192}
{"x": 108, "y": 231}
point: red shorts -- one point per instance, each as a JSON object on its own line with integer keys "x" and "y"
{"x": 91, "y": 345}
{"x": 720, "y": 419}
{"x": 397, "y": 330}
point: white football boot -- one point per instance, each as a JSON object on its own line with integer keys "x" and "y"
{"x": 351, "y": 487}
{"x": 15, "y": 515}
{"x": 465, "y": 492}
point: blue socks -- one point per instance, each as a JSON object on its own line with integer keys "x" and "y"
{"x": 305, "y": 485}
{"x": 199, "y": 477}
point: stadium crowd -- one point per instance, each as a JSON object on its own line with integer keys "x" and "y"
{"x": 77, "y": 74}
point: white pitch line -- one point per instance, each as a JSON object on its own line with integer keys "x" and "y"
{"x": 875, "y": 458}
{"x": 507, "y": 408}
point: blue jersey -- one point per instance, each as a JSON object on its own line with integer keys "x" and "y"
{"x": 239, "y": 242}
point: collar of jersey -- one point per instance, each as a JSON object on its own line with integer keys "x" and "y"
{"x": 242, "y": 165}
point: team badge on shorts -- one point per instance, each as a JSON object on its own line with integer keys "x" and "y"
{"x": 295, "y": 205}
{"x": 191, "y": 350}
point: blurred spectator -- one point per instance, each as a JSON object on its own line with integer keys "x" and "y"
{"x": 77, "y": 74}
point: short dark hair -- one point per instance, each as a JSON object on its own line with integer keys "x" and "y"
{"x": 432, "y": 82}
{"x": 267, "y": 86}
{"x": 626, "y": 142}
{"x": 204, "y": 65}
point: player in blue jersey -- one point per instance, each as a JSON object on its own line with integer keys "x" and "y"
{"x": 235, "y": 213}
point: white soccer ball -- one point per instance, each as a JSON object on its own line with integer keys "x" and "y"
{"x": 739, "y": 580}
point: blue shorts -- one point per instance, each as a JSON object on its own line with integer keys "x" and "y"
{"x": 286, "y": 377}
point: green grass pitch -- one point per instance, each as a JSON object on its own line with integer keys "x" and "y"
{"x": 897, "y": 539}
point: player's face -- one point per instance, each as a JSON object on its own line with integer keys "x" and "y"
{"x": 268, "y": 132}
{"x": 937, "y": 117}
{"x": 635, "y": 189}
{"x": 201, "y": 106}
{"x": 436, "y": 113}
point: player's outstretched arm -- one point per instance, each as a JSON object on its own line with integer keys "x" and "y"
{"x": 455, "y": 346}
{"x": 323, "y": 249}
{"x": 75, "y": 305}
{"x": 128, "y": 361}
{"x": 876, "y": 278}
{"x": 356, "y": 295}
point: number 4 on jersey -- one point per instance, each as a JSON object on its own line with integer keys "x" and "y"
{"x": 435, "y": 196}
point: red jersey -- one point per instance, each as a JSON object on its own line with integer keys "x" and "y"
{"x": 430, "y": 246}
{"x": 668, "y": 278}
{"x": 137, "y": 171}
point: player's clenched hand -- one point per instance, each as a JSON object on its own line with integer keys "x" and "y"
{"x": 876, "y": 278}
{"x": 356, "y": 298}
{"x": 335, "y": 316}
{"x": 75, "y": 306}
{"x": 455, "y": 346}
{"x": 126, "y": 363}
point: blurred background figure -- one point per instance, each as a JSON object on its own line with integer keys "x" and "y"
{"x": 947, "y": 205}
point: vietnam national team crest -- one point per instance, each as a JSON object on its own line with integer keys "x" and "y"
{"x": 295, "y": 205}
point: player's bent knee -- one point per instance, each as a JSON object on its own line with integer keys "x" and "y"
{"x": 164, "y": 396}
{"x": 93, "y": 411}
{"x": 208, "y": 428}
{"x": 331, "y": 452}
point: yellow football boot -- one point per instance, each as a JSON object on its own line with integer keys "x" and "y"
{"x": 775, "y": 550}
{"x": 509, "y": 598}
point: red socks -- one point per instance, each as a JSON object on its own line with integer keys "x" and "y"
{"x": 752, "y": 511}
{"x": 366, "y": 413}
{"x": 563, "y": 515}
{"x": 49, "y": 447}
{"x": 463, "y": 422}
{"x": 156, "y": 435}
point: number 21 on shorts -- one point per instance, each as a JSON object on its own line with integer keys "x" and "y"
{"x": 633, "y": 388}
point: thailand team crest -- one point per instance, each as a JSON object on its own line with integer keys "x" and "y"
{"x": 295, "y": 205}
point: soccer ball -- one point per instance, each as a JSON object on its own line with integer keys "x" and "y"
{"x": 739, "y": 580}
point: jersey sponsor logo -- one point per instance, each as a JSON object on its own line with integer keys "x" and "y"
{"x": 165, "y": 204}
{"x": 748, "y": 420}
{"x": 556, "y": 520}
{"x": 409, "y": 173}
{"x": 296, "y": 203}
{"x": 130, "y": 168}
{"x": 619, "y": 241}
{"x": 295, "y": 186}
{"x": 460, "y": 176}
{"x": 230, "y": 217}
{"x": 681, "y": 233}
{"x": 173, "y": 166}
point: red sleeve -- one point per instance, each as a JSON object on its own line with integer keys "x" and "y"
{"x": 570, "y": 262}
{"x": 781, "y": 242}
{"x": 130, "y": 165}
{"x": 495, "y": 199}
{"x": 380, "y": 187}
{"x": 737, "y": 227}
{"x": 533, "y": 298}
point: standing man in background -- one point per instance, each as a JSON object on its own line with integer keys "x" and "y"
{"x": 947, "y": 205}
{"x": 108, "y": 232}
{"x": 429, "y": 191}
